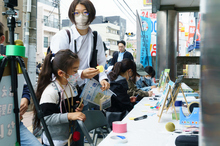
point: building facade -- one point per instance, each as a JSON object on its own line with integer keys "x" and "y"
{"x": 18, "y": 31}
{"x": 109, "y": 34}
{"x": 47, "y": 25}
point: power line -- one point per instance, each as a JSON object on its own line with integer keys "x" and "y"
{"x": 67, "y": 7}
{"x": 54, "y": 6}
{"x": 51, "y": 12}
{"x": 129, "y": 8}
{"x": 125, "y": 10}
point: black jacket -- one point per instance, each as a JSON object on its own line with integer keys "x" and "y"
{"x": 126, "y": 55}
{"x": 121, "y": 102}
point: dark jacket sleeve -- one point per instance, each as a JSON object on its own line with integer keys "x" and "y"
{"x": 26, "y": 93}
{"x": 128, "y": 55}
{"x": 114, "y": 58}
{"x": 121, "y": 102}
{"x": 131, "y": 56}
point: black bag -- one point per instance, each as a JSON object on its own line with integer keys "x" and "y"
{"x": 187, "y": 140}
{"x": 114, "y": 116}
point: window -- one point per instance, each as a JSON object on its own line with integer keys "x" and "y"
{"x": 16, "y": 36}
{"x": 107, "y": 30}
{"x": 46, "y": 20}
{"x": 45, "y": 42}
{"x": 55, "y": 23}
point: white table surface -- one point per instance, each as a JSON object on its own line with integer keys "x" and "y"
{"x": 146, "y": 132}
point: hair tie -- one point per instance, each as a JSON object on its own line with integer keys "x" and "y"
{"x": 53, "y": 55}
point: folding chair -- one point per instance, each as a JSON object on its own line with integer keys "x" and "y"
{"x": 95, "y": 119}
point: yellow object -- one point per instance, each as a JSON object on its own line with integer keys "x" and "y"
{"x": 19, "y": 69}
{"x": 19, "y": 42}
{"x": 100, "y": 67}
{"x": 131, "y": 118}
{"x": 182, "y": 29}
{"x": 147, "y": 104}
{"x": 170, "y": 127}
{"x": 186, "y": 33}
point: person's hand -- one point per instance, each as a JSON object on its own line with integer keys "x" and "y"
{"x": 105, "y": 85}
{"x": 133, "y": 99}
{"x": 153, "y": 87}
{"x": 89, "y": 73}
{"x": 76, "y": 116}
{"x": 150, "y": 93}
{"x": 24, "y": 105}
{"x": 79, "y": 109}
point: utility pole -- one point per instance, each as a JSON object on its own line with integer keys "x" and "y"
{"x": 58, "y": 1}
{"x": 30, "y": 41}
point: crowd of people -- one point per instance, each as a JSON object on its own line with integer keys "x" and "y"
{"x": 70, "y": 63}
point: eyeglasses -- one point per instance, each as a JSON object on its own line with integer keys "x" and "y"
{"x": 83, "y": 13}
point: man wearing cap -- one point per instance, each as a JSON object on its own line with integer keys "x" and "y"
{"x": 121, "y": 54}
{"x": 142, "y": 82}
{"x": 132, "y": 88}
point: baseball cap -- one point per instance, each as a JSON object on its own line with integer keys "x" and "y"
{"x": 140, "y": 69}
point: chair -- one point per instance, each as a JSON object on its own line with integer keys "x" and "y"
{"x": 95, "y": 119}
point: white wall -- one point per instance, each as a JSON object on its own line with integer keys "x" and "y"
{"x": 44, "y": 31}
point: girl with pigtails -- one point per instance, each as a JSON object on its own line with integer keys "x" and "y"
{"x": 58, "y": 98}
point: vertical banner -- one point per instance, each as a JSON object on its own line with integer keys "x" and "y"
{"x": 153, "y": 17}
{"x": 7, "y": 116}
{"x": 145, "y": 55}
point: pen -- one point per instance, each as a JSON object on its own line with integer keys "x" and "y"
{"x": 136, "y": 96}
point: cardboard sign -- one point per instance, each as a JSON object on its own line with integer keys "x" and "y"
{"x": 7, "y": 116}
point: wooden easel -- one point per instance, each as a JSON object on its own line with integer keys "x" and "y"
{"x": 165, "y": 83}
{"x": 173, "y": 97}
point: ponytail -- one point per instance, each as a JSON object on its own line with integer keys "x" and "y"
{"x": 45, "y": 78}
{"x": 122, "y": 67}
{"x": 116, "y": 70}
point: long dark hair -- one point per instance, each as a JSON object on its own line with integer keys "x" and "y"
{"x": 122, "y": 67}
{"x": 63, "y": 60}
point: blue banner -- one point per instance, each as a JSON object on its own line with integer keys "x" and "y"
{"x": 145, "y": 56}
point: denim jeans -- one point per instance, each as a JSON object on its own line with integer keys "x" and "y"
{"x": 27, "y": 138}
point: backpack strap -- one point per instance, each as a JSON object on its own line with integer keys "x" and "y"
{"x": 93, "y": 62}
{"x": 68, "y": 33}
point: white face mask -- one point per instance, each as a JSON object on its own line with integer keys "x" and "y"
{"x": 81, "y": 21}
{"x": 148, "y": 78}
{"x": 72, "y": 79}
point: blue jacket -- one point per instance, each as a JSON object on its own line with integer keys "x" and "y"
{"x": 142, "y": 86}
{"x": 26, "y": 93}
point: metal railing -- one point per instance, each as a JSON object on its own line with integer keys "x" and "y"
{"x": 52, "y": 24}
